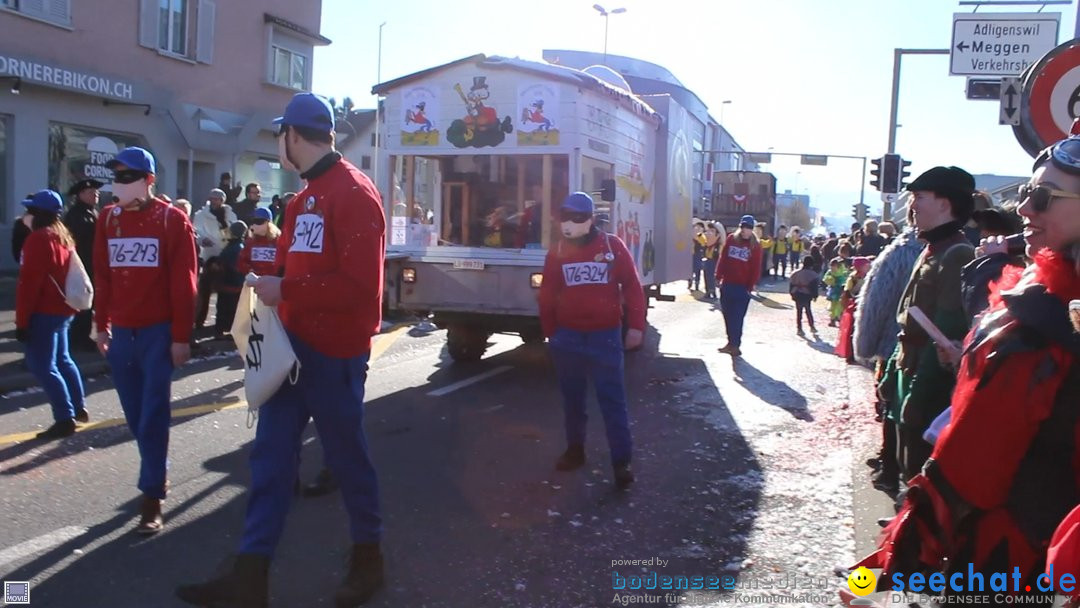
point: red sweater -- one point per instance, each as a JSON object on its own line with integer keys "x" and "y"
{"x": 583, "y": 292}
{"x": 258, "y": 256}
{"x": 740, "y": 262}
{"x": 144, "y": 263}
{"x": 332, "y": 244}
{"x": 43, "y": 256}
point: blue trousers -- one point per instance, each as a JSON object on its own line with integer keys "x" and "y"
{"x": 141, "y": 362}
{"x": 330, "y": 390}
{"x": 710, "y": 277}
{"x": 599, "y": 354}
{"x": 49, "y": 360}
{"x": 695, "y": 273}
{"x": 734, "y": 300}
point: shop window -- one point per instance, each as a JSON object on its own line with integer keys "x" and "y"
{"x": 77, "y": 153}
{"x": 4, "y": 183}
{"x": 54, "y": 11}
{"x": 475, "y": 201}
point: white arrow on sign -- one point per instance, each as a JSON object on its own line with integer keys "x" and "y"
{"x": 1010, "y": 102}
{"x": 1000, "y": 44}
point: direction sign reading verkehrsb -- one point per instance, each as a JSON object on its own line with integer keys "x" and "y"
{"x": 1000, "y": 44}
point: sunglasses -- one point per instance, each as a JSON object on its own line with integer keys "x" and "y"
{"x": 576, "y": 217}
{"x": 128, "y": 176}
{"x": 258, "y": 222}
{"x": 1040, "y": 197}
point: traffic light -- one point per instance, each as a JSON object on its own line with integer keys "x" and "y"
{"x": 876, "y": 172}
{"x": 904, "y": 164}
{"x": 890, "y": 173}
{"x": 855, "y": 210}
{"x": 860, "y": 211}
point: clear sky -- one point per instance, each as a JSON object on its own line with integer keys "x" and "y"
{"x": 803, "y": 76}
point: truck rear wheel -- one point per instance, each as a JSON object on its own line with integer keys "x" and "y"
{"x": 466, "y": 342}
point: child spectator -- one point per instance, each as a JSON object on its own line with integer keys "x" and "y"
{"x": 232, "y": 281}
{"x": 804, "y": 289}
{"x": 835, "y": 280}
{"x": 844, "y": 345}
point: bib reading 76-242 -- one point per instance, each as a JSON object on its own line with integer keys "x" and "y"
{"x": 307, "y": 234}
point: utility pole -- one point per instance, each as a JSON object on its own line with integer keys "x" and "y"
{"x": 378, "y": 118}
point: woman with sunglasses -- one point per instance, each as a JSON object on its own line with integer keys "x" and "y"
{"x": 260, "y": 250}
{"x": 1004, "y": 472}
{"x": 144, "y": 283}
{"x": 587, "y": 275}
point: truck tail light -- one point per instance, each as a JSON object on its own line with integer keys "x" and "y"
{"x": 408, "y": 275}
{"x": 536, "y": 279}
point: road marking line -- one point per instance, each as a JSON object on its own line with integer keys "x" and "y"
{"x": 446, "y": 390}
{"x": 381, "y": 345}
{"x": 40, "y": 544}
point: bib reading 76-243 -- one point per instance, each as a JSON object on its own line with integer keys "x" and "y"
{"x": 134, "y": 253}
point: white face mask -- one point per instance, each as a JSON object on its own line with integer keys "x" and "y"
{"x": 129, "y": 193}
{"x": 260, "y": 229}
{"x": 573, "y": 230}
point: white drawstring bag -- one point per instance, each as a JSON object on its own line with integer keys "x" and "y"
{"x": 264, "y": 348}
{"x": 78, "y": 291}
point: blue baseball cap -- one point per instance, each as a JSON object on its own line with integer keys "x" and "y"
{"x": 308, "y": 110}
{"x": 747, "y": 221}
{"x": 262, "y": 213}
{"x": 134, "y": 158}
{"x": 579, "y": 202}
{"x": 46, "y": 200}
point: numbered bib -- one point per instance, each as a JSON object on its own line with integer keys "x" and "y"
{"x": 739, "y": 253}
{"x": 585, "y": 273}
{"x": 307, "y": 234}
{"x": 134, "y": 253}
{"x": 263, "y": 254}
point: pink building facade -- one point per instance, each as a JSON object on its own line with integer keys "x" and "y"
{"x": 196, "y": 82}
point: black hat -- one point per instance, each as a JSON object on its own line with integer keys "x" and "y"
{"x": 952, "y": 183}
{"x": 997, "y": 221}
{"x": 81, "y": 185}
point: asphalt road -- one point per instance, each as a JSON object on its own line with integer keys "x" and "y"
{"x": 750, "y": 469}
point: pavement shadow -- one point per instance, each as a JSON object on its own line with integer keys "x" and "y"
{"x": 815, "y": 342}
{"x": 770, "y": 390}
{"x": 104, "y": 437}
{"x": 474, "y": 513}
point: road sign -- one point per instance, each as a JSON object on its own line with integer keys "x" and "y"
{"x": 1054, "y": 94}
{"x": 983, "y": 89}
{"x": 1000, "y": 44}
{"x": 814, "y": 159}
{"x": 1010, "y": 102}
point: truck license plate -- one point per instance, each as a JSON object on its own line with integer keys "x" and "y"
{"x": 468, "y": 265}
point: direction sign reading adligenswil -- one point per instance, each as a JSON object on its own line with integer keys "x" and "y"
{"x": 1000, "y": 44}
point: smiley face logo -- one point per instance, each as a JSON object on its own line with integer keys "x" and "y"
{"x": 862, "y": 581}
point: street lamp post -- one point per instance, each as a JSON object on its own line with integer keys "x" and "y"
{"x": 378, "y": 146}
{"x": 605, "y": 14}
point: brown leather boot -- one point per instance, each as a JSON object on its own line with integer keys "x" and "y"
{"x": 364, "y": 578}
{"x": 242, "y": 581}
{"x": 151, "y": 521}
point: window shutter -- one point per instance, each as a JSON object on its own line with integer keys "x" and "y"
{"x": 33, "y": 7}
{"x": 60, "y": 11}
{"x": 148, "y": 23}
{"x": 204, "y": 42}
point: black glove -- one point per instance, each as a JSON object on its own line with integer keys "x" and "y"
{"x": 22, "y": 334}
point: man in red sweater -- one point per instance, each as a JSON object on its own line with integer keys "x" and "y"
{"x": 330, "y": 301}
{"x": 144, "y": 283}
{"x": 738, "y": 273}
{"x": 587, "y": 275}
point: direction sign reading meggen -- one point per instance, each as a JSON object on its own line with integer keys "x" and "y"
{"x": 1000, "y": 44}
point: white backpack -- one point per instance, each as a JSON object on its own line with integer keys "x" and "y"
{"x": 78, "y": 292}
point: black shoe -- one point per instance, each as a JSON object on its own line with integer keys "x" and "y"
{"x": 889, "y": 484}
{"x": 572, "y": 458}
{"x": 150, "y": 522}
{"x": 364, "y": 578}
{"x": 884, "y": 521}
{"x": 800, "y": 332}
{"x": 82, "y": 416}
{"x": 324, "y": 484}
{"x": 59, "y": 430}
{"x": 623, "y": 476}
{"x": 242, "y": 581}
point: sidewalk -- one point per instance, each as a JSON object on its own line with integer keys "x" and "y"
{"x": 13, "y": 373}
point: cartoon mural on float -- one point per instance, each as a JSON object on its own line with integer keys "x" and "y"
{"x": 537, "y": 127}
{"x": 419, "y": 104}
{"x": 481, "y": 126}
